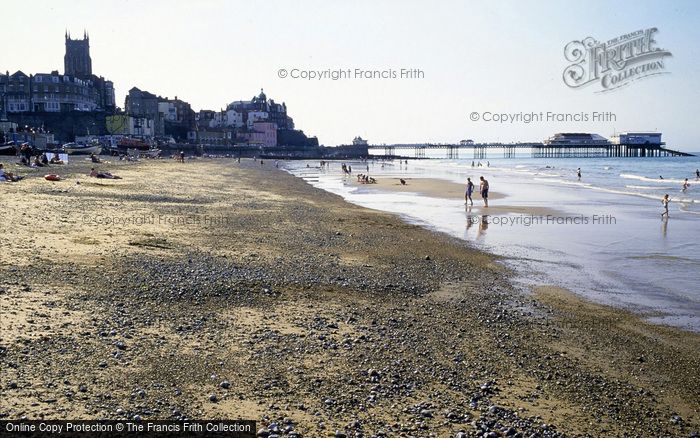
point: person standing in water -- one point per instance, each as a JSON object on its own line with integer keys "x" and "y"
{"x": 665, "y": 202}
{"x": 697, "y": 174}
{"x": 686, "y": 184}
{"x": 578, "y": 173}
{"x": 470, "y": 190}
{"x": 484, "y": 189}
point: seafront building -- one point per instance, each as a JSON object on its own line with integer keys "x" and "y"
{"x": 637, "y": 138}
{"x": 79, "y": 104}
{"x": 259, "y": 121}
{"x": 77, "y": 89}
{"x": 576, "y": 138}
{"x": 168, "y": 117}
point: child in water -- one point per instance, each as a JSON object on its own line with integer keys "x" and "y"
{"x": 665, "y": 202}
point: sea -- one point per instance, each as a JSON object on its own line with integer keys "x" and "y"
{"x": 601, "y": 236}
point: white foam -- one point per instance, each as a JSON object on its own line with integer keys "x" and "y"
{"x": 650, "y": 187}
{"x": 565, "y": 182}
{"x": 647, "y": 179}
{"x": 646, "y": 195}
{"x": 685, "y": 209}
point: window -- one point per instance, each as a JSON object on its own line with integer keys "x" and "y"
{"x": 38, "y": 78}
{"x": 54, "y": 78}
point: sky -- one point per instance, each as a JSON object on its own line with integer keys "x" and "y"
{"x": 500, "y": 57}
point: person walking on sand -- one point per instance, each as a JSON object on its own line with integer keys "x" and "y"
{"x": 665, "y": 202}
{"x": 182, "y": 156}
{"x": 468, "y": 193}
{"x": 484, "y": 189}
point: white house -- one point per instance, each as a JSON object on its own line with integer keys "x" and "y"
{"x": 234, "y": 118}
{"x": 256, "y": 116}
{"x": 168, "y": 111}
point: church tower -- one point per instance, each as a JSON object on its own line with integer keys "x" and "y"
{"x": 77, "y": 60}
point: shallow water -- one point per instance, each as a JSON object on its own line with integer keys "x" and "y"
{"x": 608, "y": 242}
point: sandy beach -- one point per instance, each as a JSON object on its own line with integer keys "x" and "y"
{"x": 213, "y": 289}
{"x": 438, "y": 188}
{"x": 425, "y": 186}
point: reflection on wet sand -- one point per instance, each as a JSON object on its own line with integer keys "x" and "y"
{"x": 664, "y": 227}
{"x": 483, "y": 224}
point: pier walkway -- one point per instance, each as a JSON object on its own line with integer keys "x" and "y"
{"x": 538, "y": 150}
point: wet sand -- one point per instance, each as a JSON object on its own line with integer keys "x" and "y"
{"x": 433, "y": 187}
{"x": 438, "y": 188}
{"x": 245, "y": 292}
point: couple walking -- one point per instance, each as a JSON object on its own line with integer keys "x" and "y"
{"x": 483, "y": 190}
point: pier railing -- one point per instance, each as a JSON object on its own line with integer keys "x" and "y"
{"x": 537, "y": 150}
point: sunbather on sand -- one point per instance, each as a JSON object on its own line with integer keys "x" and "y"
{"x": 106, "y": 175}
{"x": 37, "y": 162}
{"x": 7, "y": 177}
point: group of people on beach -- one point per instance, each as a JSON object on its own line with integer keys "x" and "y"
{"x": 41, "y": 160}
{"x": 667, "y": 198}
{"x": 483, "y": 190}
{"x": 26, "y": 152}
{"x": 488, "y": 164}
{"x": 29, "y": 159}
{"x": 365, "y": 179}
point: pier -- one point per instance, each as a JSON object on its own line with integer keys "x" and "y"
{"x": 537, "y": 150}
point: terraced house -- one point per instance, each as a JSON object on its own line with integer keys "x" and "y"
{"x": 78, "y": 89}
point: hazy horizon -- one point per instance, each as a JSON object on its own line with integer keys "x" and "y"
{"x": 500, "y": 57}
